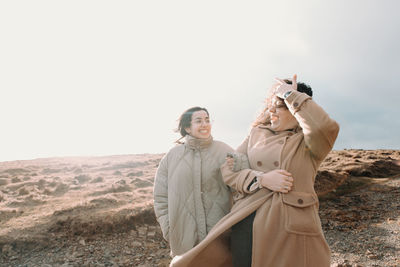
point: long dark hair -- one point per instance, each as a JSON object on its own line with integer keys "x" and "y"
{"x": 185, "y": 121}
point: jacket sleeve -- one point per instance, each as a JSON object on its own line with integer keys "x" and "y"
{"x": 320, "y": 131}
{"x": 161, "y": 196}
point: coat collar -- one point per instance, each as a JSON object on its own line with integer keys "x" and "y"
{"x": 268, "y": 127}
{"x": 196, "y": 143}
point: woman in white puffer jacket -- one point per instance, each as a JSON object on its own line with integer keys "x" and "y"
{"x": 189, "y": 194}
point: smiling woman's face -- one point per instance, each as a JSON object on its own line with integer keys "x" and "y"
{"x": 200, "y": 126}
{"x": 281, "y": 118}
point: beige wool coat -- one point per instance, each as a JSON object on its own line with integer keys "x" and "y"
{"x": 190, "y": 196}
{"x": 286, "y": 230}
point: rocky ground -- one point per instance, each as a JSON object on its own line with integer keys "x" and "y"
{"x": 359, "y": 210}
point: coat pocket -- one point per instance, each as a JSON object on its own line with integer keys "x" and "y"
{"x": 301, "y": 216}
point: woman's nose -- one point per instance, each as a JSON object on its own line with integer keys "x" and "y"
{"x": 271, "y": 109}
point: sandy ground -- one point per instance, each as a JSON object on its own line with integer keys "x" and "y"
{"x": 97, "y": 211}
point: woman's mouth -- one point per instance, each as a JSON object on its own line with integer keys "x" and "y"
{"x": 274, "y": 118}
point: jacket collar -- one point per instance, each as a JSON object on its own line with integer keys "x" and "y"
{"x": 196, "y": 143}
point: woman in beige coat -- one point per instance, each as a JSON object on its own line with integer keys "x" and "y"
{"x": 190, "y": 196}
{"x": 293, "y": 134}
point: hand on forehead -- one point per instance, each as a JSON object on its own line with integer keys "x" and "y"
{"x": 283, "y": 82}
{"x": 284, "y": 87}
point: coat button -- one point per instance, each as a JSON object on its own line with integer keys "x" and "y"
{"x": 281, "y": 142}
{"x": 259, "y": 163}
{"x": 295, "y": 104}
{"x": 300, "y": 201}
{"x": 276, "y": 164}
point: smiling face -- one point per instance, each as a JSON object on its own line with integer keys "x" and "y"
{"x": 200, "y": 126}
{"x": 281, "y": 118}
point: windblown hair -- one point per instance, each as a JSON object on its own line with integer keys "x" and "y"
{"x": 263, "y": 118}
{"x": 185, "y": 121}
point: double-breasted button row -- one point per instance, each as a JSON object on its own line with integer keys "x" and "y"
{"x": 259, "y": 163}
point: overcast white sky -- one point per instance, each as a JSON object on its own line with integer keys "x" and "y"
{"x": 111, "y": 77}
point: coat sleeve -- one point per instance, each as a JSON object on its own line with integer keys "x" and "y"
{"x": 239, "y": 180}
{"x": 320, "y": 131}
{"x": 161, "y": 196}
{"x": 242, "y": 148}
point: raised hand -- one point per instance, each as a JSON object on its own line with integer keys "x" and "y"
{"x": 284, "y": 87}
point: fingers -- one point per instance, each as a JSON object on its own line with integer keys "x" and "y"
{"x": 285, "y": 191}
{"x": 294, "y": 82}
{"x": 286, "y": 188}
{"x": 294, "y": 79}
{"x": 287, "y": 175}
{"x": 289, "y": 179}
{"x": 277, "y": 180}
{"x": 284, "y": 172}
{"x": 279, "y": 81}
{"x": 230, "y": 162}
{"x": 287, "y": 185}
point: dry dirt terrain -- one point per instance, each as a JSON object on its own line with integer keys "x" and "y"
{"x": 98, "y": 211}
